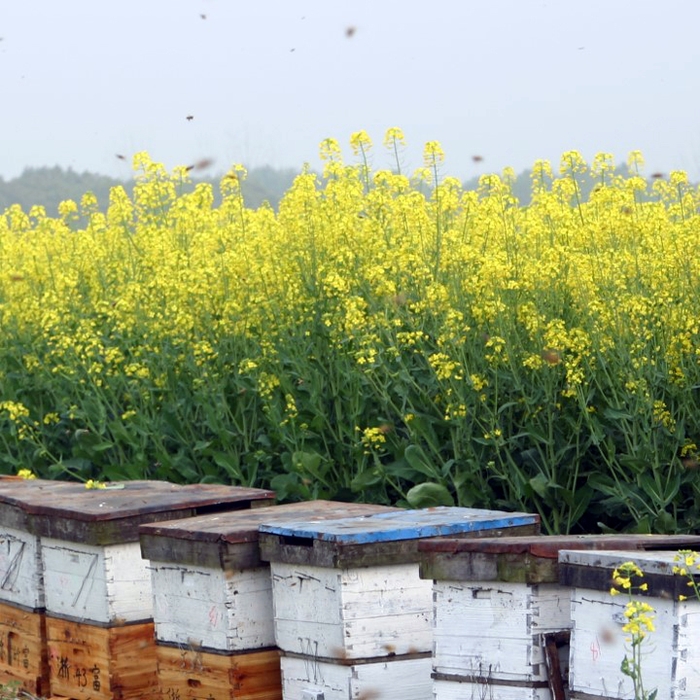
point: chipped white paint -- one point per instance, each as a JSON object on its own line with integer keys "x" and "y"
{"x": 351, "y": 613}
{"x": 492, "y": 630}
{"x": 402, "y": 679}
{"x": 21, "y": 576}
{"x": 448, "y": 690}
{"x": 102, "y": 584}
{"x": 213, "y": 608}
{"x": 671, "y": 654}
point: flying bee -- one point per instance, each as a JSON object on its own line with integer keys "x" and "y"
{"x": 202, "y": 164}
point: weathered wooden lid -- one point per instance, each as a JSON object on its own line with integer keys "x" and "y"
{"x": 230, "y": 540}
{"x": 69, "y": 511}
{"x": 380, "y": 538}
{"x": 593, "y": 570}
{"x": 526, "y": 559}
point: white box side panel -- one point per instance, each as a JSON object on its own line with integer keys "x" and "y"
{"x": 405, "y": 679}
{"x": 227, "y": 611}
{"x": 453, "y": 690}
{"x": 128, "y": 583}
{"x": 94, "y": 583}
{"x": 688, "y": 650}
{"x": 352, "y": 613}
{"x": 21, "y": 573}
{"x": 598, "y": 646}
{"x": 495, "y": 629}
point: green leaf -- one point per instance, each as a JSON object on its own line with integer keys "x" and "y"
{"x": 617, "y": 414}
{"x": 307, "y": 462}
{"x": 661, "y": 493}
{"x": 540, "y": 485}
{"x": 367, "y": 478}
{"x": 417, "y": 459}
{"x": 428, "y": 495}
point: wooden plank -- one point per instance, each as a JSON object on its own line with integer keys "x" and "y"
{"x": 526, "y": 559}
{"x": 189, "y": 673}
{"x": 230, "y": 540}
{"x": 549, "y": 546}
{"x": 66, "y": 510}
{"x": 389, "y": 679}
{"x": 97, "y": 663}
{"x": 23, "y": 655}
{"x": 594, "y": 570}
{"x": 400, "y": 525}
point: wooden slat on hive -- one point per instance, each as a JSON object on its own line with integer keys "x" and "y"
{"x": 526, "y": 559}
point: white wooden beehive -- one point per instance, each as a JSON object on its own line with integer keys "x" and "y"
{"x": 306, "y": 678}
{"x": 670, "y": 654}
{"x": 21, "y": 575}
{"x": 210, "y": 588}
{"x": 499, "y": 602}
{"x": 89, "y": 542}
{"x": 350, "y": 589}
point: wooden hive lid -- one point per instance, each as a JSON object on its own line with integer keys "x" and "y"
{"x": 593, "y": 570}
{"x": 230, "y": 539}
{"x": 69, "y": 511}
{"x": 526, "y": 559}
{"x": 381, "y": 537}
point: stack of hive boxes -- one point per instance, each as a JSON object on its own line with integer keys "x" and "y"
{"x": 97, "y": 623}
{"x": 352, "y": 616}
{"x": 212, "y": 601}
{"x": 502, "y": 618}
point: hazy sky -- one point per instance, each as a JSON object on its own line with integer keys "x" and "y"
{"x": 266, "y": 80}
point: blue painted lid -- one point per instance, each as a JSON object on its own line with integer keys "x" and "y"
{"x": 400, "y": 525}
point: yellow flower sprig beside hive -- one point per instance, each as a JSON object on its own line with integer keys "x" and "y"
{"x": 639, "y": 616}
{"x": 688, "y": 567}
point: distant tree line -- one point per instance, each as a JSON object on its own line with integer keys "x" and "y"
{"x": 48, "y": 186}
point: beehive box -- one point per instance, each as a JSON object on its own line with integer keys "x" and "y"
{"x": 501, "y": 618}
{"x": 21, "y": 575}
{"x": 349, "y": 589}
{"x": 309, "y": 678}
{"x": 209, "y": 584}
{"x": 93, "y": 570}
{"x": 188, "y": 673}
{"x": 93, "y": 574}
{"x": 101, "y": 663}
{"x": 671, "y": 654}
{"x": 23, "y": 656}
